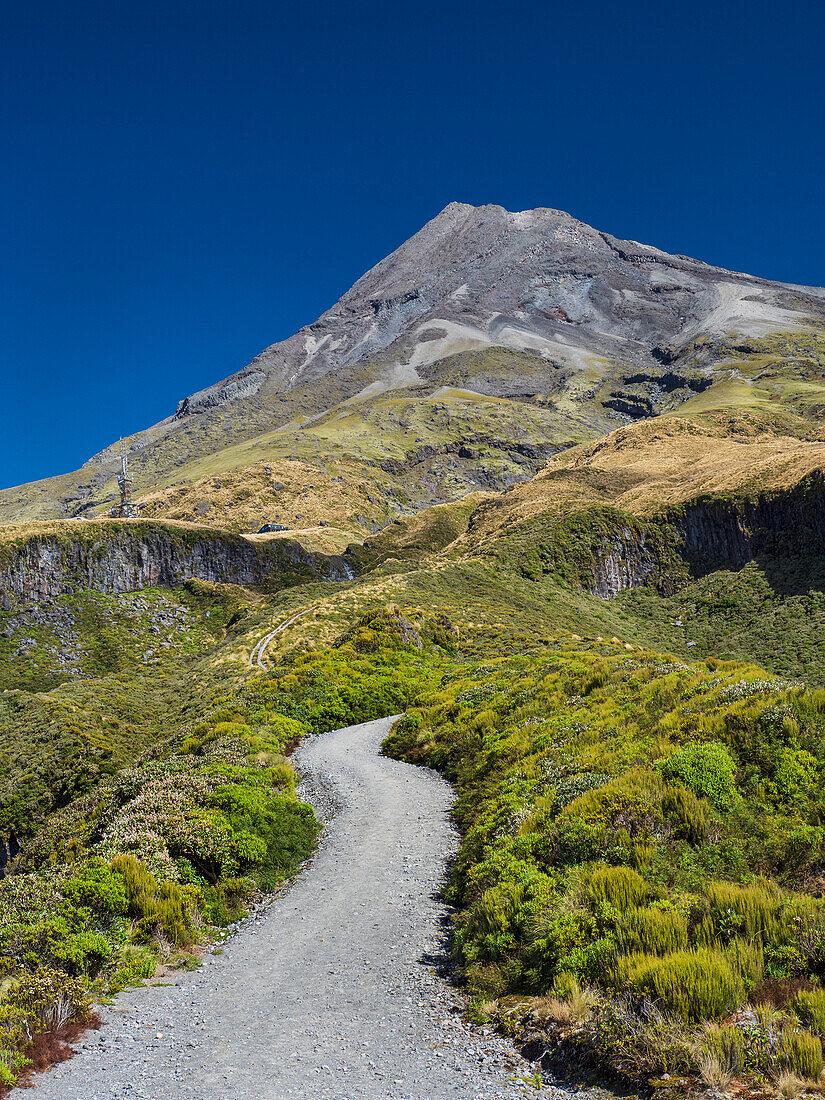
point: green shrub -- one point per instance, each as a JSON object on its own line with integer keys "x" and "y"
{"x": 231, "y": 729}
{"x": 97, "y": 887}
{"x": 726, "y": 1044}
{"x": 83, "y": 953}
{"x": 696, "y": 985}
{"x": 809, "y": 1006}
{"x": 47, "y": 997}
{"x": 165, "y": 908}
{"x": 747, "y": 910}
{"x": 747, "y": 958}
{"x": 565, "y": 985}
{"x": 283, "y": 775}
{"x": 285, "y": 730}
{"x": 802, "y": 1053}
{"x": 653, "y": 931}
{"x": 139, "y": 884}
{"x": 621, "y": 887}
{"x": 136, "y": 964}
{"x": 631, "y": 802}
{"x": 706, "y": 768}
{"x": 575, "y": 786}
{"x": 235, "y": 892}
{"x": 688, "y": 814}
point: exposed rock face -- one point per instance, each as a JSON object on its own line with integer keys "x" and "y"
{"x": 124, "y": 561}
{"x": 627, "y": 559}
{"x": 715, "y": 534}
{"x": 538, "y": 281}
{"x": 529, "y": 307}
{"x": 726, "y": 534}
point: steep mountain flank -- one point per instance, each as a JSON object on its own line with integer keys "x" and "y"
{"x": 495, "y": 338}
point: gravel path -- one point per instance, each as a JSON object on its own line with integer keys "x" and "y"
{"x": 330, "y": 990}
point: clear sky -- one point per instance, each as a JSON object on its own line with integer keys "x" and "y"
{"x": 187, "y": 181}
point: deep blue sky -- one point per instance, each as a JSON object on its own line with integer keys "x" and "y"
{"x": 184, "y": 183}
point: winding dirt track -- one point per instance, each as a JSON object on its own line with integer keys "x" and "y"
{"x": 260, "y": 647}
{"x": 330, "y": 991}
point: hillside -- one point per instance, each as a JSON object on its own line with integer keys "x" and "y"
{"x": 557, "y": 498}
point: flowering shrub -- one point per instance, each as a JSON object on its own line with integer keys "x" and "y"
{"x": 133, "y": 868}
{"x": 139, "y": 857}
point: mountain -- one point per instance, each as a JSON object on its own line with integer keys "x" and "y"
{"x": 545, "y": 493}
{"x": 537, "y": 282}
{"x": 482, "y": 346}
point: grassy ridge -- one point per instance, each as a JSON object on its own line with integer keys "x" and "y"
{"x": 646, "y": 830}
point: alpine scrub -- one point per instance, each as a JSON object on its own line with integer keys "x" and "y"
{"x": 648, "y": 831}
{"x": 135, "y": 871}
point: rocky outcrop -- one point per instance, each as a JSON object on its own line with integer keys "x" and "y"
{"x": 627, "y": 559}
{"x": 711, "y": 534}
{"x": 126, "y": 557}
{"x": 530, "y": 455}
{"x": 728, "y": 533}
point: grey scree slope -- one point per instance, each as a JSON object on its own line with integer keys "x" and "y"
{"x": 326, "y": 992}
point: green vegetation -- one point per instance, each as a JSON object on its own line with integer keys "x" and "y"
{"x": 644, "y": 828}
{"x": 771, "y": 612}
{"x": 135, "y": 862}
{"x": 643, "y": 831}
{"x": 131, "y": 872}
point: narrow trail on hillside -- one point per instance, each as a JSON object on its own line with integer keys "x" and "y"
{"x": 330, "y": 991}
{"x": 260, "y": 647}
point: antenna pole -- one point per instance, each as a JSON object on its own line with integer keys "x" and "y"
{"x": 125, "y": 508}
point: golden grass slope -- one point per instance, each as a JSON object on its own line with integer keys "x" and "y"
{"x": 652, "y": 466}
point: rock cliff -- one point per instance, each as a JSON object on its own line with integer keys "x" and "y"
{"x": 712, "y": 534}
{"x": 125, "y": 557}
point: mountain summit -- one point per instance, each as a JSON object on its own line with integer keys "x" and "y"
{"x": 537, "y": 281}
{"x": 512, "y": 334}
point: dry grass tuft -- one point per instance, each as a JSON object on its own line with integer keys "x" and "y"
{"x": 552, "y": 1010}
{"x": 789, "y": 1086}
{"x": 713, "y": 1073}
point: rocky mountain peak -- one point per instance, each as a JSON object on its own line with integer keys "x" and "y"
{"x": 536, "y": 281}
{"x": 531, "y": 307}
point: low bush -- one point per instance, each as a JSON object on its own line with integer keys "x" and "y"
{"x": 751, "y": 911}
{"x": 809, "y": 1006}
{"x": 695, "y": 985}
{"x": 653, "y": 931}
{"x": 688, "y": 814}
{"x": 747, "y": 958}
{"x": 801, "y": 1052}
{"x": 620, "y": 887}
{"x": 726, "y": 1045}
{"x": 705, "y": 769}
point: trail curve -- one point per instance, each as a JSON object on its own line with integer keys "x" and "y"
{"x": 260, "y": 647}
{"x": 330, "y": 991}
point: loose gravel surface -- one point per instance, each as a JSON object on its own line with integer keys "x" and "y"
{"x": 331, "y": 989}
